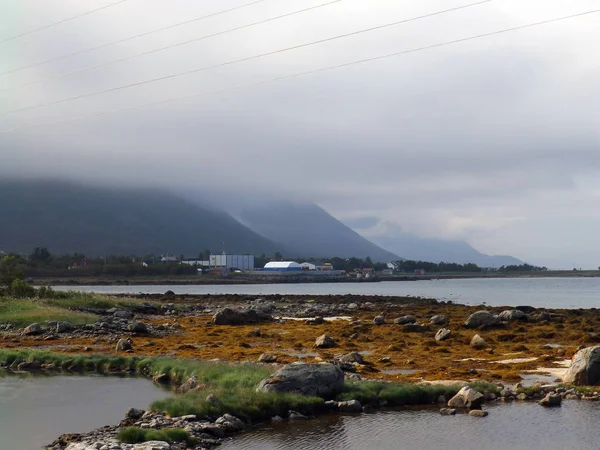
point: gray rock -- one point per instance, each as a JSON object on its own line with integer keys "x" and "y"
{"x": 63, "y": 327}
{"x": 403, "y": 320}
{"x": 447, "y": 412}
{"x": 478, "y": 413}
{"x": 230, "y": 423}
{"x": 351, "y": 406}
{"x": 379, "y": 320}
{"x": 214, "y": 430}
{"x": 331, "y": 404}
{"x": 123, "y": 314}
{"x": 212, "y": 399}
{"x": 152, "y": 445}
{"x": 478, "y": 342}
{"x": 124, "y": 345}
{"x": 353, "y": 357}
{"x": 466, "y": 398}
{"x": 512, "y": 314}
{"x": 33, "y": 329}
{"x": 137, "y": 327}
{"x": 551, "y": 400}
{"x": 307, "y": 379}
{"x": 134, "y": 413}
{"x": 190, "y": 383}
{"x": 481, "y": 318}
{"x": 29, "y": 366}
{"x": 267, "y": 358}
{"x": 585, "y": 368}
{"x": 324, "y": 341}
{"x": 442, "y": 334}
{"x": 353, "y": 306}
{"x": 294, "y": 415}
{"x": 439, "y": 320}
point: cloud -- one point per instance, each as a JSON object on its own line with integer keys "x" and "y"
{"x": 494, "y": 141}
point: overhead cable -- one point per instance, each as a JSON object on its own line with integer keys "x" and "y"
{"x": 178, "y": 44}
{"x": 237, "y": 61}
{"x": 147, "y": 33}
{"x": 299, "y": 74}
{"x": 60, "y": 22}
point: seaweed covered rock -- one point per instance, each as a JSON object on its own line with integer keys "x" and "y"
{"x": 511, "y": 315}
{"x": 229, "y": 316}
{"x": 323, "y": 380}
{"x": 481, "y": 318}
{"x": 585, "y": 368}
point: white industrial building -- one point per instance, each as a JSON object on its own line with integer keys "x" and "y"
{"x": 240, "y": 262}
{"x": 283, "y": 266}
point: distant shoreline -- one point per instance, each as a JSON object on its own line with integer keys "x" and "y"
{"x": 294, "y": 279}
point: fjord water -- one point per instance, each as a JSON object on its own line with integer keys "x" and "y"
{"x": 551, "y": 292}
{"x": 36, "y": 410}
{"x": 514, "y": 426}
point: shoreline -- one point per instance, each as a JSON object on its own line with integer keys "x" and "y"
{"x": 294, "y": 279}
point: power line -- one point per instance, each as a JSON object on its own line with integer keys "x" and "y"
{"x": 300, "y": 74}
{"x": 178, "y": 44}
{"x": 60, "y": 22}
{"x": 237, "y": 61}
{"x": 147, "y": 33}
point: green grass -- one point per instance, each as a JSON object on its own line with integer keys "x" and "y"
{"x": 234, "y": 386}
{"x": 133, "y": 435}
{"x": 24, "y": 312}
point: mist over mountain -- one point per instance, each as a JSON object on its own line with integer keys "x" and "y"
{"x": 71, "y": 217}
{"x": 308, "y": 230}
{"x": 419, "y": 248}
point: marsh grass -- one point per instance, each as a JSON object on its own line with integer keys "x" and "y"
{"x": 23, "y": 312}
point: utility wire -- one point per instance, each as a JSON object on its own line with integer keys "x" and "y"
{"x": 147, "y": 33}
{"x": 60, "y": 22}
{"x": 237, "y": 61}
{"x": 300, "y": 74}
{"x": 178, "y": 44}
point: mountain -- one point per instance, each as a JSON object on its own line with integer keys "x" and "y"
{"x": 70, "y": 218}
{"x": 307, "y": 230}
{"x": 435, "y": 250}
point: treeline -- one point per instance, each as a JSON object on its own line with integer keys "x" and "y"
{"x": 431, "y": 267}
{"x": 522, "y": 268}
{"x": 41, "y": 263}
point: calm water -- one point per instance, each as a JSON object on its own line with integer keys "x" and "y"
{"x": 36, "y": 410}
{"x": 514, "y": 426}
{"x": 540, "y": 292}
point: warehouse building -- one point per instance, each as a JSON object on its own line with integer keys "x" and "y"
{"x": 283, "y": 266}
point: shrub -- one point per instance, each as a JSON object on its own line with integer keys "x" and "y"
{"x": 20, "y": 288}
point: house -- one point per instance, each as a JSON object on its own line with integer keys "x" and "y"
{"x": 169, "y": 259}
{"x": 419, "y": 271}
{"x": 308, "y": 266}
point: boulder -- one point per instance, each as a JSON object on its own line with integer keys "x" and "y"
{"x": 585, "y": 368}
{"x": 442, "y": 334}
{"x": 267, "y": 358}
{"x": 63, "y": 327}
{"x": 466, "y": 398}
{"x": 322, "y": 380}
{"x": 511, "y": 315}
{"x": 551, "y": 400}
{"x": 353, "y": 357}
{"x": 351, "y": 406}
{"x": 478, "y": 342}
{"x": 228, "y": 316}
{"x": 29, "y": 366}
{"x": 123, "y": 314}
{"x": 33, "y": 329}
{"x": 403, "y": 320}
{"x": 379, "y": 320}
{"x": 231, "y": 423}
{"x": 137, "y": 327}
{"x": 191, "y": 383}
{"x": 123, "y": 345}
{"x": 134, "y": 413}
{"x": 478, "y": 413}
{"x": 439, "y": 320}
{"x": 481, "y": 318}
{"x": 447, "y": 412}
{"x": 324, "y": 341}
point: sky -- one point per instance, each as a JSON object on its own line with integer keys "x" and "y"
{"x": 495, "y": 141}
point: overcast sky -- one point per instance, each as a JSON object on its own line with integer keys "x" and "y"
{"x": 495, "y": 141}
